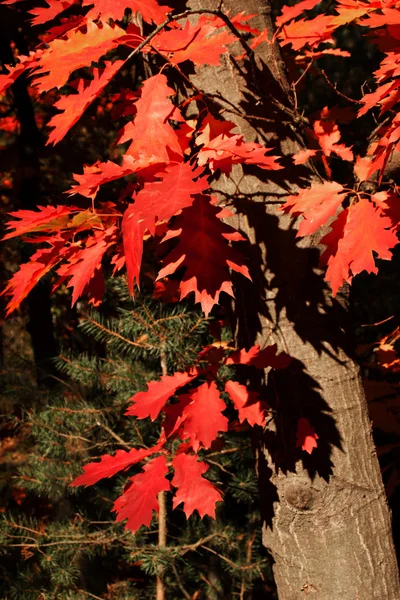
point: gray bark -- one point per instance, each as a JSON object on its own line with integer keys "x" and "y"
{"x": 327, "y": 524}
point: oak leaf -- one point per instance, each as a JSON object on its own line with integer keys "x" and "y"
{"x": 358, "y": 234}
{"x": 51, "y": 11}
{"x": 28, "y": 275}
{"x": 261, "y": 359}
{"x": 151, "y": 123}
{"x": 199, "y": 43}
{"x": 196, "y": 492}
{"x": 84, "y": 263}
{"x": 150, "y": 10}
{"x": 157, "y": 201}
{"x": 205, "y": 252}
{"x": 138, "y": 502}
{"x": 226, "y": 150}
{"x": 45, "y": 219}
{"x": 248, "y": 404}
{"x": 78, "y": 49}
{"x": 204, "y": 418}
{"x": 316, "y": 204}
{"x": 74, "y": 105}
{"x": 111, "y": 465}
{"x": 152, "y": 401}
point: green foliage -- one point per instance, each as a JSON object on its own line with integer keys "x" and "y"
{"x": 61, "y": 542}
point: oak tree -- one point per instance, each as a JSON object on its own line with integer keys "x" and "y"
{"x": 216, "y": 161}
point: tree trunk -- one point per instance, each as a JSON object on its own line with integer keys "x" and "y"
{"x": 327, "y": 524}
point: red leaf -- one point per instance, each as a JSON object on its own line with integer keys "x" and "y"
{"x": 261, "y": 359}
{"x": 84, "y": 263}
{"x": 167, "y": 291}
{"x": 110, "y": 465}
{"x": 53, "y": 9}
{"x": 328, "y": 135}
{"x": 174, "y": 417}
{"x": 25, "y": 279}
{"x": 64, "y": 56}
{"x": 204, "y": 250}
{"x": 157, "y": 201}
{"x": 198, "y": 43}
{"x": 140, "y": 499}
{"x": 96, "y": 175}
{"x": 204, "y": 418}
{"x": 312, "y": 33}
{"x": 365, "y": 231}
{"x": 316, "y": 204}
{"x": 334, "y": 273}
{"x": 74, "y": 105}
{"x": 291, "y": 12}
{"x": 26, "y": 62}
{"x": 224, "y": 151}
{"x": 306, "y": 436}
{"x": 302, "y": 157}
{"x": 248, "y": 404}
{"x": 47, "y": 218}
{"x": 150, "y": 10}
{"x": 151, "y": 123}
{"x": 196, "y": 492}
{"x": 362, "y": 167}
{"x": 150, "y": 403}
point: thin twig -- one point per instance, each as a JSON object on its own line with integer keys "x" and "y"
{"x": 113, "y": 434}
{"x": 162, "y": 503}
{"x": 118, "y": 335}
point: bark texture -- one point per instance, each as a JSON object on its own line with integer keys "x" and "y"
{"x": 327, "y": 524}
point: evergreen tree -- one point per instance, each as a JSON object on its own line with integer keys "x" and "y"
{"x": 67, "y": 545}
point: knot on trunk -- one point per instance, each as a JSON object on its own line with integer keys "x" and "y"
{"x": 298, "y": 494}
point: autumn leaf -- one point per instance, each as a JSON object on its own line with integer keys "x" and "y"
{"x": 84, "y": 263}
{"x": 51, "y": 11}
{"x": 226, "y": 150}
{"x": 328, "y": 135}
{"x": 25, "y": 63}
{"x": 151, "y": 123}
{"x": 157, "y": 201}
{"x": 248, "y": 404}
{"x": 196, "y": 492}
{"x": 204, "y": 418}
{"x": 88, "y": 184}
{"x": 261, "y": 359}
{"x": 306, "y": 438}
{"x": 74, "y": 105}
{"x": 316, "y": 204}
{"x": 205, "y": 252}
{"x": 199, "y": 43}
{"x": 45, "y": 219}
{"x": 63, "y": 56}
{"x": 300, "y": 158}
{"x": 28, "y": 275}
{"x": 111, "y": 465}
{"x": 366, "y": 231}
{"x": 152, "y": 401}
{"x": 292, "y": 12}
{"x": 138, "y": 502}
{"x": 360, "y": 232}
{"x": 150, "y": 10}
